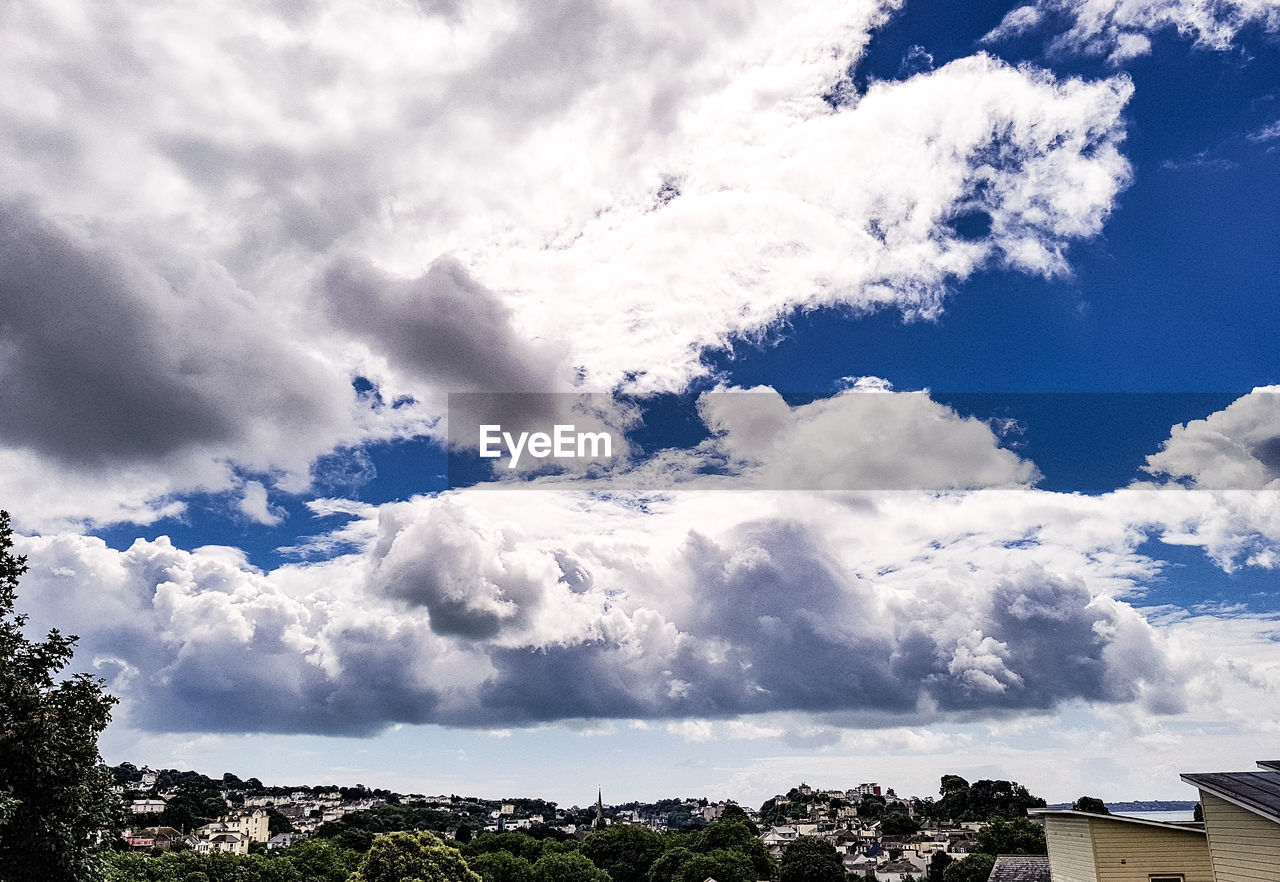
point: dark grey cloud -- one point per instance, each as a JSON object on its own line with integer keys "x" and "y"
{"x": 443, "y": 327}
{"x": 781, "y": 628}
{"x": 105, "y": 359}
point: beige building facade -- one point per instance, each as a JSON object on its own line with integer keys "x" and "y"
{"x": 1087, "y": 847}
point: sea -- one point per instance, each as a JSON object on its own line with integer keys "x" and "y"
{"x": 1188, "y": 815}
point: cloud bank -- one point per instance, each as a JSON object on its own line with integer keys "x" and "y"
{"x": 216, "y": 224}
{"x": 493, "y": 608}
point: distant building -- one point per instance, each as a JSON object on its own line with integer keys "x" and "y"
{"x": 254, "y": 825}
{"x": 232, "y": 843}
{"x": 147, "y": 806}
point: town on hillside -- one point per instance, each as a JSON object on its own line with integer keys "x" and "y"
{"x": 185, "y": 825}
{"x": 875, "y": 833}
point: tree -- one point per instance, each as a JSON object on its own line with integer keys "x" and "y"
{"x": 412, "y": 857}
{"x": 719, "y": 864}
{"x": 1091, "y": 804}
{"x": 278, "y": 823}
{"x": 667, "y": 868}
{"x": 56, "y": 804}
{"x": 322, "y": 860}
{"x": 735, "y": 836}
{"x": 625, "y": 853}
{"x": 735, "y": 812}
{"x": 938, "y": 863}
{"x": 566, "y": 867}
{"x": 897, "y": 824}
{"x": 872, "y": 806}
{"x": 811, "y": 860}
{"x": 1017, "y": 836}
{"x": 517, "y": 844}
{"x": 972, "y": 868}
{"x": 501, "y": 866}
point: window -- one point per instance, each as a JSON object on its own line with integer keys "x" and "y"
{"x": 1165, "y": 877}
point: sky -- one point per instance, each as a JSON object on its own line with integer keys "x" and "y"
{"x": 938, "y": 341}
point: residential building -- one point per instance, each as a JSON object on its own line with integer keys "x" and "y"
{"x": 232, "y": 843}
{"x": 1088, "y": 847}
{"x": 254, "y": 825}
{"x": 1242, "y": 822}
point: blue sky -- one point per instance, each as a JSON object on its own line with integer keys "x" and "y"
{"x": 246, "y": 260}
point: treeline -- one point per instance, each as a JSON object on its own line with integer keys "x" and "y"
{"x": 980, "y": 801}
{"x": 727, "y": 850}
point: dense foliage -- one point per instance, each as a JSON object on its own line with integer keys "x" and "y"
{"x": 412, "y": 857}
{"x": 983, "y": 800}
{"x": 1091, "y": 804}
{"x": 55, "y": 796}
{"x": 811, "y": 860}
{"x": 973, "y": 868}
{"x": 1016, "y": 836}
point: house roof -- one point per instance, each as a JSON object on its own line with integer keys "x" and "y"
{"x": 1272, "y": 765}
{"x": 1020, "y": 868}
{"x": 1177, "y": 826}
{"x": 1258, "y": 792}
{"x": 898, "y": 867}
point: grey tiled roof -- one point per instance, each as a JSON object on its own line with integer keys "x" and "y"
{"x": 1259, "y": 792}
{"x": 1273, "y": 765}
{"x": 1020, "y": 868}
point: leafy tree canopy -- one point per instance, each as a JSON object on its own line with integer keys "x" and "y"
{"x": 735, "y": 812}
{"x": 898, "y": 824}
{"x": 412, "y": 857}
{"x": 501, "y": 866}
{"x": 719, "y": 864}
{"x": 667, "y": 867}
{"x": 972, "y": 868}
{"x": 625, "y": 853}
{"x": 517, "y": 844}
{"x": 1091, "y": 804}
{"x": 938, "y": 864}
{"x": 55, "y": 795}
{"x": 1016, "y": 836}
{"x": 566, "y": 867}
{"x": 983, "y": 799}
{"x": 731, "y": 835}
{"x": 811, "y": 860}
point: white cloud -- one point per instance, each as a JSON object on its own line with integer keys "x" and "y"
{"x": 247, "y": 209}
{"x": 500, "y": 609}
{"x": 1233, "y": 449}
{"x": 856, "y": 440}
{"x": 1121, "y": 29}
{"x": 254, "y": 505}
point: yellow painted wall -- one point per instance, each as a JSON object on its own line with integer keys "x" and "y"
{"x": 1245, "y": 847}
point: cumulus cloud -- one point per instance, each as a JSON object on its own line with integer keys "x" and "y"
{"x": 490, "y": 196}
{"x": 466, "y": 610}
{"x": 1122, "y": 29}
{"x": 498, "y": 609}
{"x": 856, "y": 440}
{"x": 444, "y": 328}
{"x": 1236, "y": 448}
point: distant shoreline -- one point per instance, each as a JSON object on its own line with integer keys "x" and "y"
{"x": 1142, "y": 805}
